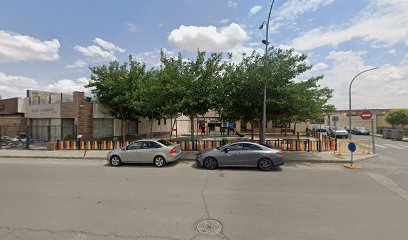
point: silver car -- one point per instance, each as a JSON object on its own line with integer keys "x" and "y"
{"x": 339, "y": 132}
{"x": 159, "y": 152}
{"x": 241, "y": 154}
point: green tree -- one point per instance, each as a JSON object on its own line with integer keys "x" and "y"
{"x": 287, "y": 100}
{"x": 193, "y": 82}
{"x": 397, "y": 117}
{"x": 112, "y": 87}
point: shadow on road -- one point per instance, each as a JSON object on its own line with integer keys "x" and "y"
{"x": 196, "y": 165}
{"x": 143, "y": 165}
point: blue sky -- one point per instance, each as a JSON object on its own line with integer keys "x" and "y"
{"x": 49, "y": 45}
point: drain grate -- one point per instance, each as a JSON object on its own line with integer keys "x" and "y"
{"x": 209, "y": 227}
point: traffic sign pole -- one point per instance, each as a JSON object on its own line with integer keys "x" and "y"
{"x": 352, "y": 148}
{"x": 372, "y": 134}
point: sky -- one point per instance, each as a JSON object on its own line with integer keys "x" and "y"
{"x": 50, "y": 45}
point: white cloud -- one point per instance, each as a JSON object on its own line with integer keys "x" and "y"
{"x": 383, "y": 23}
{"x": 232, "y": 4}
{"x": 102, "y": 50}
{"x": 78, "y": 64}
{"x": 69, "y": 86}
{"x": 15, "y": 86}
{"x": 225, "y": 21}
{"x": 382, "y": 88}
{"x": 15, "y": 47}
{"x": 133, "y": 28}
{"x": 254, "y": 10}
{"x": 208, "y": 38}
{"x": 319, "y": 66}
{"x": 108, "y": 45}
{"x": 152, "y": 58}
{"x": 292, "y": 9}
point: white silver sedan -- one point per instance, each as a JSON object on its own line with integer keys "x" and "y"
{"x": 156, "y": 151}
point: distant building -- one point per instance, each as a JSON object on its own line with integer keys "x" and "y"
{"x": 342, "y": 117}
{"x": 12, "y": 117}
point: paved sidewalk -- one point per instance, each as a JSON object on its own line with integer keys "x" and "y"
{"x": 309, "y": 157}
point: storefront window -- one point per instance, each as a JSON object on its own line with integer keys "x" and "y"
{"x": 132, "y": 128}
{"x": 102, "y": 127}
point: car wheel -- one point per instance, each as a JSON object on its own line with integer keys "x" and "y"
{"x": 210, "y": 163}
{"x": 159, "y": 161}
{"x": 115, "y": 161}
{"x": 265, "y": 164}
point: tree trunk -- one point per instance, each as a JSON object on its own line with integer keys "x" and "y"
{"x": 294, "y": 129}
{"x": 260, "y": 131}
{"x": 124, "y": 125}
{"x": 151, "y": 127}
{"x": 252, "y": 130}
{"x": 192, "y": 128}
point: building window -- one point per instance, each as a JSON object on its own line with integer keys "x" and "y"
{"x": 165, "y": 121}
{"x": 102, "y": 127}
{"x": 132, "y": 127}
{"x": 158, "y": 122}
{"x": 2, "y": 107}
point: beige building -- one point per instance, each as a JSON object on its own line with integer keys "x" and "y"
{"x": 356, "y": 120}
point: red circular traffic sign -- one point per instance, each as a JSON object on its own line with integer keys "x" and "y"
{"x": 366, "y": 115}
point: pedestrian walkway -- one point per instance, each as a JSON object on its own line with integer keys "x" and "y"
{"x": 394, "y": 146}
{"x": 385, "y": 146}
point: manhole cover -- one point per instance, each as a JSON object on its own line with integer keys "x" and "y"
{"x": 209, "y": 227}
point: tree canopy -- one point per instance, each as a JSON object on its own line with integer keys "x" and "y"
{"x": 397, "y": 117}
{"x": 191, "y": 87}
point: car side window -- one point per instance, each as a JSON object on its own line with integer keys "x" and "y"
{"x": 248, "y": 146}
{"x": 235, "y": 147}
{"x": 154, "y": 145}
{"x": 134, "y": 146}
{"x": 146, "y": 145}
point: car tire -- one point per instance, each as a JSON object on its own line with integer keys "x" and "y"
{"x": 159, "y": 161}
{"x": 265, "y": 164}
{"x": 115, "y": 161}
{"x": 210, "y": 163}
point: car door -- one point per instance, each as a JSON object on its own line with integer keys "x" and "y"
{"x": 144, "y": 153}
{"x": 249, "y": 155}
{"x": 230, "y": 155}
{"x": 152, "y": 150}
{"x": 130, "y": 154}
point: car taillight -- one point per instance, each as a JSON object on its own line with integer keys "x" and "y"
{"x": 173, "y": 151}
{"x": 280, "y": 153}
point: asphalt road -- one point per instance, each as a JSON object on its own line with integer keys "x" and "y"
{"x": 74, "y": 199}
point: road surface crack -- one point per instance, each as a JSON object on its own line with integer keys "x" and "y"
{"x": 207, "y": 213}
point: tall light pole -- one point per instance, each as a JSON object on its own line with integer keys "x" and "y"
{"x": 265, "y": 69}
{"x": 350, "y": 97}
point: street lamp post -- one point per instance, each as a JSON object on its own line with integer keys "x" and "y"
{"x": 350, "y": 97}
{"x": 265, "y": 69}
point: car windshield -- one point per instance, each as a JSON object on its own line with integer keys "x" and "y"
{"x": 165, "y": 143}
{"x": 339, "y": 128}
{"x": 361, "y": 128}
